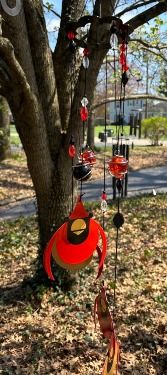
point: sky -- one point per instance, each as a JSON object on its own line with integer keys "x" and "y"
{"x": 52, "y": 21}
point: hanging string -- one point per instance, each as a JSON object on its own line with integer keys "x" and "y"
{"x": 115, "y": 263}
{"x": 104, "y": 196}
{"x": 118, "y": 222}
{"x": 71, "y": 150}
{"x": 115, "y": 90}
{"x": 105, "y": 124}
{"x": 72, "y": 138}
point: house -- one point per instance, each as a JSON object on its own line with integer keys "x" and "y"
{"x": 157, "y": 108}
{"x": 129, "y": 107}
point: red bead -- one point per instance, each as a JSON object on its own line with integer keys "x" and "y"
{"x": 104, "y": 197}
{"x": 118, "y": 166}
{"x": 71, "y": 151}
{"x": 71, "y": 35}
{"x": 86, "y": 52}
{"x": 84, "y": 113}
{"x": 122, "y": 58}
{"x": 123, "y": 48}
{"x": 125, "y": 67}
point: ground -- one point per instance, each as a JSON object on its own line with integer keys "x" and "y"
{"x": 46, "y": 331}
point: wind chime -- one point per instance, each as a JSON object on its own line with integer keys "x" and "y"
{"x": 73, "y": 244}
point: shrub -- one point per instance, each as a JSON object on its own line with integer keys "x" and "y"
{"x": 155, "y": 128}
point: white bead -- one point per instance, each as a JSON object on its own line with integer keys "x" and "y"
{"x": 84, "y": 101}
{"x": 85, "y": 62}
{"x": 104, "y": 206}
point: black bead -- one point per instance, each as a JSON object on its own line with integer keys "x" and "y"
{"x": 113, "y": 28}
{"x": 72, "y": 140}
{"x": 124, "y": 78}
{"x": 119, "y": 184}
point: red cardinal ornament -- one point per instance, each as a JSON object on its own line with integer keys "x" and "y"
{"x": 73, "y": 244}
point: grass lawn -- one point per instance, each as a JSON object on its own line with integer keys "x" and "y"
{"x": 14, "y": 137}
{"x": 100, "y": 129}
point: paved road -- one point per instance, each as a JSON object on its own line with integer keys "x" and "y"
{"x": 140, "y": 182}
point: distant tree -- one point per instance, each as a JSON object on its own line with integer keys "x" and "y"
{"x": 163, "y": 82}
{"x": 155, "y": 128}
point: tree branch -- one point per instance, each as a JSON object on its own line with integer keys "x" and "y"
{"x": 149, "y": 45}
{"x": 51, "y": 10}
{"x": 152, "y": 51}
{"x": 147, "y": 15}
{"x": 128, "y": 97}
{"x": 134, "y": 7}
{"x": 13, "y": 71}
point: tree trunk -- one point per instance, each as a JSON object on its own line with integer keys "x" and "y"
{"x": 5, "y": 150}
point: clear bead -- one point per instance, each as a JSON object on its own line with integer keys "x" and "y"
{"x": 104, "y": 206}
{"x": 84, "y": 101}
{"x": 85, "y": 62}
{"x": 114, "y": 41}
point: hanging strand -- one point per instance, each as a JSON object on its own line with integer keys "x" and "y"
{"x": 115, "y": 90}
{"x": 72, "y": 138}
{"x": 105, "y": 125}
{"x": 71, "y": 149}
{"x": 115, "y": 264}
{"x": 104, "y": 196}
{"x": 118, "y": 222}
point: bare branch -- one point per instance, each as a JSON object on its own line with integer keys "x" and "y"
{"x": 13, "y": 75}
{"x": 147, "y": 15}
{"x": 149, "y": 45}
{"x": 52, "y": 10}
{"x": 134, "y": 7}
{"x": 129, "y": 97}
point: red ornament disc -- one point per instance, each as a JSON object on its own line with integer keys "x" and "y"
{"x": 71, "y": 35}
{"x": 122, "y": 58}
{"x": 71, "y": 151}
{"x": 86, "y": 52}
{"x": 125, "y": 67}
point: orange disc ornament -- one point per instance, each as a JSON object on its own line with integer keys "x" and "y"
{"x": 118, "y": 166}
{"x": 89, "y": 157}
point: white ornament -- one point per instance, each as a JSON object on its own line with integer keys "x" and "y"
{"x": 104, "y": 206}
{"x": 11, "y": 11}
{"x": 84, "y": 101}
{"x": 85, "y": 62}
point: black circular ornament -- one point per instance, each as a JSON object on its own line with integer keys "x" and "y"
{"x": 82, "y": 172}
{"x": 118, "y": 220}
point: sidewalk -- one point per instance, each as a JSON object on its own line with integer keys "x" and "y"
{"x": 129, "y": 140}
{"x": 139, "y": 182}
